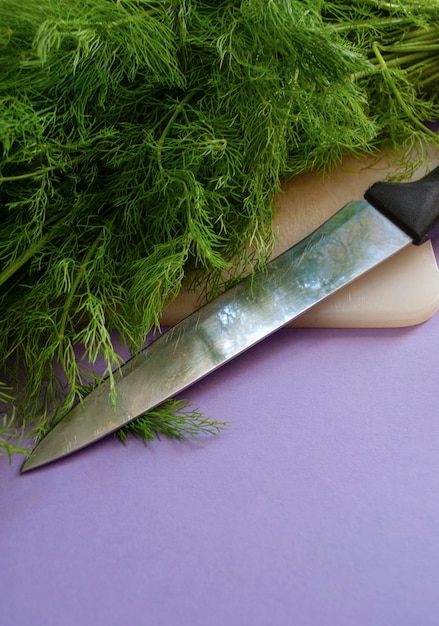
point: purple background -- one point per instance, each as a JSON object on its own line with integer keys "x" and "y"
{"x": 318, "y": 505}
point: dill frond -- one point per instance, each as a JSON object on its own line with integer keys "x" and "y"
{"x": 175, "y": 420}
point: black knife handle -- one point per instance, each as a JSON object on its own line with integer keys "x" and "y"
{"x": 414, "y": 206}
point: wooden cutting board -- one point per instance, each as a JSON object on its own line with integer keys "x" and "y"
{"x": 403, "y": 291}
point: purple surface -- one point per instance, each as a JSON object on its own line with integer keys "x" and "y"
{"x": 318, "y": 505}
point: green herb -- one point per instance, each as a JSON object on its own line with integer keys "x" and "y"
{"x": 142, "y": 146}
{"x": 173, "y": 419}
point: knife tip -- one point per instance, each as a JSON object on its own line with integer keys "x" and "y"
{"x": 37, "y": 457}
{"x": 30, "y": 463}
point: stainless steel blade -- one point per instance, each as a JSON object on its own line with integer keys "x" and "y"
{"x": 352, "y": 242}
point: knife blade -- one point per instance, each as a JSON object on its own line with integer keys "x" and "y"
{"x": 356, "y": 239}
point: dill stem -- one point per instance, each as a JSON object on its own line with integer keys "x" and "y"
{"x": 430, "y": 79}
{"x": 35, "y": 174}
{"x": 77, "y": 281}
{"x": 398, "y": 96}
{"x": 178, "y": 110}
{"x": 407, "y": 63}
{"x": 26, "y": 256}
{"x": 421, "y": 34}
{"x": 418, "y": 47}
{"x": 354, "y": 25}
{"x": 379, "y": 4}
{"x": 404, "y": 60}
{"x": 424, "y": 66}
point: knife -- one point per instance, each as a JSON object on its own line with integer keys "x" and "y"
{"x": 357, "y": 238}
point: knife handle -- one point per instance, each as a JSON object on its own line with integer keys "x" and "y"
{"x": 413, "y": 206}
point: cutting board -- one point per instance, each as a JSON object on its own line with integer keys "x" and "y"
{"x": 403, "y": 291}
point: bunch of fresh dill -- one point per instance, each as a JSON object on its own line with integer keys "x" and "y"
{"x": 142, "y": 143}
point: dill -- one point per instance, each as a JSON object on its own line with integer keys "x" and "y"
{"x": 174, "y": 419}
{"x": 142, "y": 145}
